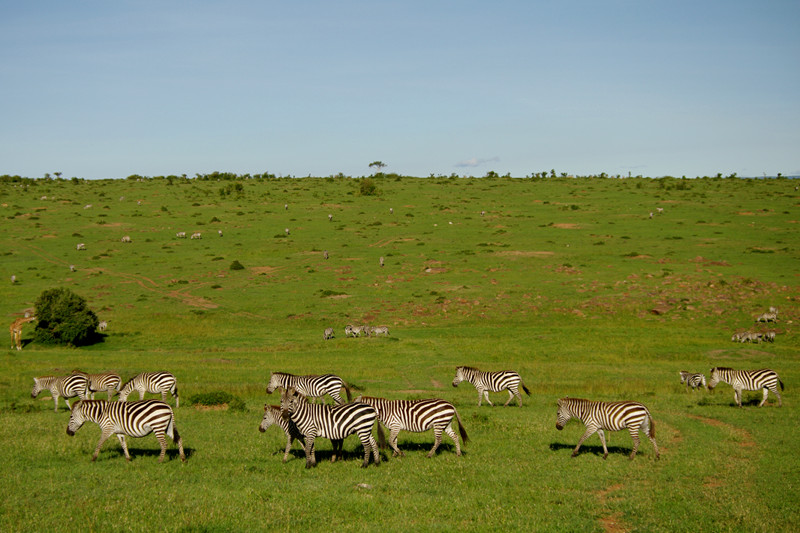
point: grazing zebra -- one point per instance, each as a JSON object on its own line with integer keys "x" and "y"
{"x": 106, "y": 381}
{"x": 331, "y": 422}
{"x": 219, "y": 231}
{"x": 196, "y": 235}
{"x": 272, "y": 416}
{"x": 330, "y": 217}
{"x": 491, "y": 381}
{"x": 153, "y": 382}
{"x": 13, "y": 279}
{"x": 611, "y": 416}
{"x": 693, "y": 380}
{"x": 80, "y": 246}
{"x": 134, "y": 419}
{"x": 310, "y": 386}
{"x": 358, "y": 330}
{"x": 328, "y": 334}
{"x": 747, "y": 380}
{"x": 348, "y": 331}
{"x": 768, "y": 317}
{"x": 769, "y": 336}
{"x": 417, "y": 416}
{"x": 380, "y": 330}
{"x": 102, "y": 326}
{"x": 126, "y": 238}
{"x": 181, "y": 235}
{"x": 325, "y": 254}
{"x": 66, "y": 386}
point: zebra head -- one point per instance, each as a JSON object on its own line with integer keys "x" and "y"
{"x": 125, "y": 391}
{"x": 564, "y": 414}
{"x": 459, "y": 376}
{"x": 715, "y": 378}
{"x": 290, "y": 399}
{"x": 274, "y": 382}
{"x": 76, "y": 418}
{"x": 37, "y": 388}
{"x": 269, "y": 417}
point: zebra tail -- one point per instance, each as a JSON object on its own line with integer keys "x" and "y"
{"x": 347, "y": 391}
{"x": 171, "y": 431}
{"x": 381, "y": 437}
{"x": 175, "y": 437}
{"x": 781, "y": 382}
{"x": 461, "y": 429}
{"x": 652, "y": 427}
{"x": 525, "y": 389}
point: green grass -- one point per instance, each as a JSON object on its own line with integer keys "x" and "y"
{"x": 567, "y": 281}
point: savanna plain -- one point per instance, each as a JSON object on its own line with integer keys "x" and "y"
{"x": 591, "y": 288}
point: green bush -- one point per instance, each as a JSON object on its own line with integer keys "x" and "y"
{"x": 236, "y": 265}
{"x": 64, "y": 318}
{"x": 218, "y": 397}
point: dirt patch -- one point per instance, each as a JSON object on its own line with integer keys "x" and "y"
{"x": 525, "y": 253}
{"x": 613, "y": 523}
{"x": 436, "y": 384}
{"x": 220, "y": 407}
{"x": 216, "y": 360}
{"x": 566, "y": 226}
{"x": 745, "y": 439}
{"x": 265, "y": 269}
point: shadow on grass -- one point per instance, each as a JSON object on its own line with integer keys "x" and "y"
{"x": 136, "y": 453}
{"x": 593, "y": 449}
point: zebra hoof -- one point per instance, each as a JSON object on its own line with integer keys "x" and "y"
{"x": 605, "y": 456}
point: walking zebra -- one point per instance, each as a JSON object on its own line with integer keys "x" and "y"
{"x": 417, "y": 416}
{"x": 768, "y": 317}
{"x": 747, "y": 380}
{"x": 491, "y": 381}
{"x": 272, "y": 416}
{"x": 153, "y": 382}
{"x": 134, "y": 419}
{"x": 66, "y": 386}
{"x": 331, "y": 422}
{"x": 379, "y": 330}
{"x": 106, "y": 381}
{"x": 693, "y": 380}
{"x": 310, "y": 386}
{"x": 611, "y": 416}
{"x": 328, "y": 334}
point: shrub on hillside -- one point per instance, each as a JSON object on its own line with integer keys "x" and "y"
{"x": 236, "y": 265}
{"x": 218, "y": 398}
{"x": 64, "y": 318}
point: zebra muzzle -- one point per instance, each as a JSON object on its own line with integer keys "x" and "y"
{"x": 70, "y": 432}
{"x": 559, "y": 426}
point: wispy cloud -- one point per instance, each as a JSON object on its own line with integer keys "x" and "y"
{"x": 476, "y": 162}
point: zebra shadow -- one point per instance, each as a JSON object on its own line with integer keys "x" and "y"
{"x": 172, "y": 452}
{"x": 407, "y": 447}
{"x": 595, "y": 449}
{"x": 325, "y": 455}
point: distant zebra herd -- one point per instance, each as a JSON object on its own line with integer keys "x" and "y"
{"x": 757, "y": 336}
{"x": 121, "y": 418}
{"x": 358, "y": 331}
{"x": 303, "y": 415}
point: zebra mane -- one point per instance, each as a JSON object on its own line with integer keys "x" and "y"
{"x": 721, "y": 368}
{"x": 273, "y": 407}
{"x": 469, "y": 368}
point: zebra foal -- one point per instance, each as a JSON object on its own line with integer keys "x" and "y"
{"x": 692, "y": 380}
{"x": 66, "y": 386}
{"x": 272, "y": 417}
{"x": 754, "y": 380}
{"x": 310, "y": 386}
{"x": 106, "y": 381}
{"x": 331, "y": 422}
{"x": 134, "y": 419}
{"x": 611, "y": 416}
{"x": 491, "y": 381}
{"x": 152, "y": 382}
{"x": 416, "y": 416}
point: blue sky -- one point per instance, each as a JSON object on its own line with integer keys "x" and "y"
{"x": 99, "y": 89}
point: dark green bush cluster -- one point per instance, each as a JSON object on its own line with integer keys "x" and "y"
{"x": 218, "y": 397}
{"x": 236, "y": 265}
{"x": 64, "y": 318}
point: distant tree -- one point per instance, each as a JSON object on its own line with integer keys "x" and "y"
{"x": 379, "y": 165}
{"x": 64, "y": 318}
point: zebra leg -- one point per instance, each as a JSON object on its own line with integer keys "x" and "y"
{"x": 486, "y": 395}
{"x": 602, "y": 436}
{"x": 163, "y": 442}
{"x": 452, "y": 435}
{"x": 393, "y": 443}
{"x": 121, "y": 438}
{"x": 311, "y": 459}
{"x": 778, "y": 394}
{"x": 510, "y": 397}
{"x": 288, "y": 447}
{"x": 103, "y": 438}
{"x": 635, "y": 436}
{"x": 737, "y": 395}
{"x": 764, "y": 400}
{"x": 437, "y": 440}
{"x": 589, "y": 432}
{"x": 141, "y": 394}
{"x": 164, "y": 396}
{"x": 55, "y": 399}
{"x": 375, "y": 452}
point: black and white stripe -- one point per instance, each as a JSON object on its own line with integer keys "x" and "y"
{"x": 331, "y": 422}
{"x": 417, "y": 416}
{"x": 272, "y": 416}
{"x": 491, "y": 381}
{"x": 310, "y": 386}
{"x": 154, "y": 383}
{"x": 105, "y": 381}
{"x": 692, "y": 380}
{"x": 740, "y": 380}
{"x": 134, "y": 419}
{"x": 66, "y": 386}
{"x": 611, "y": 416}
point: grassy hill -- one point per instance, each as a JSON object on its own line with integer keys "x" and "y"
{"x": 571, "y": 282}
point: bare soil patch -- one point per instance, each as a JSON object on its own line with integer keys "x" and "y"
{"x": 525, "y": 253}
{"x": 566, "y": 225}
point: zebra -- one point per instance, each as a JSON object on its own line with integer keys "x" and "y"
{"x": 126, "y": 238}
{"x": 106, "y": 381}
{"x": 348, "y": 331}
{"x": 153, "y": 382}
{"x": 417, "y": 416}
{"x": 693, "y": 380}
{"x": 134, "y": 419}
{"x": 328, "y": 334}
{"x": 181, "y": 235}
{"x": 380, "y": 330}
{"x": 196, "y": 235}
{"x": 102, "y": 326}
{"x": 491, "y": 381}
{"x": 310, "y": 386}
{"x": 272, "y": 416}
{"x": 611, "y": 416}
{"x": 66, "y": 386}
{"x": 768, "y": 317}
{"x": 769, "y": 336}
{"x": 357, "y": 330}
{"x": 331, "y": 422}
{"x": 80, "y": 246}
{"x": 747, "y": 380}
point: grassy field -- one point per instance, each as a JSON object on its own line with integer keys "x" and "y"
{"x": 570, "y": 282}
